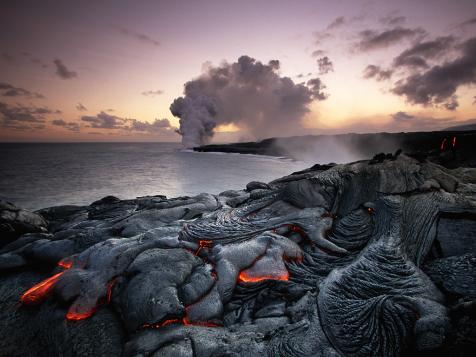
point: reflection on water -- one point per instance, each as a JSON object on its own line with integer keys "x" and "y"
{"x": 34, "y": 176}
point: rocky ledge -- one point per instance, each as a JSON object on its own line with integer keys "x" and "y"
{"x": 372, "y": 258}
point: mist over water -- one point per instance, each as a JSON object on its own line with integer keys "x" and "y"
{"x": 35, "y": 176}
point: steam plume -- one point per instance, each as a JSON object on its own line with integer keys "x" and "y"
{"x": 247, "y": 93}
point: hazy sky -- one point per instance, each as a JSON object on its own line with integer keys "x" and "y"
{"x": 109, "y": 70}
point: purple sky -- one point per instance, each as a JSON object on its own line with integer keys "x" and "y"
{"x": 109, "y": 70}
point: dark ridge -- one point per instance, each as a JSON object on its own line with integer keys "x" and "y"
{"x": 420, "y": 145}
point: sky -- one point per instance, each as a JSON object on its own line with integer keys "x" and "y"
{"x": 109, "y": 70}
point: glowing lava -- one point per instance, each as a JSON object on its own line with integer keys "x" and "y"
{"x": 203, "y": 244}
{"x": 453, "y": 142}
{"x": 184, "y": 321}
{"x": 443, "y": 143}
{"x": 246, "y": 278}
{"x": 76, "y": 316}
{"x": 39, "y": 292}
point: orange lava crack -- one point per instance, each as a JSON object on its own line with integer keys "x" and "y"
{"x": 40, "y": 292}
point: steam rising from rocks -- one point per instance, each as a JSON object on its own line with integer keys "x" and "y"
{"x": 247, "y": 93}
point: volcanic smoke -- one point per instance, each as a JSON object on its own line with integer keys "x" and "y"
{"x": 247, "y": 93}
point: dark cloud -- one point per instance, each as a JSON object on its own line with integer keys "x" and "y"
{"x": 104, "y": 121}
{"x": 62, "y": 71}
{"x": 247, "y": 93}
{"x": 438, "y": 85}
{"x": 376, "y": 72}
{"x": 402, "y": 121}
{"x": 8, "y": 90}
{"x": 418, "y": 54}
{"x": 393, "y": 20}
{"x": 402, "y": 116}
{"x": 139, "y": 36}
{"x": 8, "y": 57}
{"x": 469, "y": 22}
{"x": 374, "y": 40}
{"x": 21, "y": 117}
{"x": 317, "y": 87}
{"x": 451, "y": 103}
{"x": 67, "y": 125}
{"x": 302, "y": 75}
{"x": 81, "y": 107}
{"x": 318, "y": 53}
{"x": 34, "y": 59}
{"x": 325, "y": 65}
{"x": 159, "y": 126}
{"x": 337, "y": 22}
{"x": 127, "y": 125}
{"x": 152, "y": 93}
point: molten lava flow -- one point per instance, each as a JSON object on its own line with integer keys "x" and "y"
{"x": 161, "y": 324}
{"x": 245, "y": 278}
{"x": 203, "y": 244}
{"x": 453, "y": 142}
{"x": 65, "y": 263}
{"x": 39, "y": 292}
{"x": 110, "y": 285}
{"x": 186, "y": 322}
{"x": 443, "y": 143}
{"x": 76, "y": 316}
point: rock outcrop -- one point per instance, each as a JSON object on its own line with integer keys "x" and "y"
{"x": 372, "y": 258}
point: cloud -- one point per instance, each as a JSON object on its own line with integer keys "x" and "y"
{"x": 158, "y": 126}
{"x": 402, "y": 116}
{"x": 62, "y": 71}
{"x": 325, "y": 65}
{"x": 376, "y": 72}
{"x": 8, "y": 90}
{"x": 403, "y": 121}
{"x": 318, "y": 53}
{"x": 393, "y": 20}
{"x": 34, "y": 59}
{"x": 248, "y": 93}
{"x": 374, "y": 40}
{"x": 67, "y": 125}
{"x": 152, "y": 93}
{"x": 438, "y": 84}
{"x": 21, "y": 117}
{"x": 139, "y": 36}
{"x": 337, "y": 22}
{"x": 104, "y": 121}
{"x": 417, "y": 55}
{"x": 8, "y": 57}
{"x": 81, "y": 107}
{"x": 469, "y": 22}
{"x": 316, "y": 86}
{"x": 451, "y": 103}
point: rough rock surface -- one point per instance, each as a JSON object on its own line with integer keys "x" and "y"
{"x": 372, "y": 258}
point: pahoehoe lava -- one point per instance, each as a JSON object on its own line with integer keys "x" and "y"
{"x": 371, "y": 258}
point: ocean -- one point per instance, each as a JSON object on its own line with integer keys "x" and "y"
{"x": 39, "y": 175}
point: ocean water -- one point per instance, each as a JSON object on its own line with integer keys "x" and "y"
{"x": 35, "y": 176}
